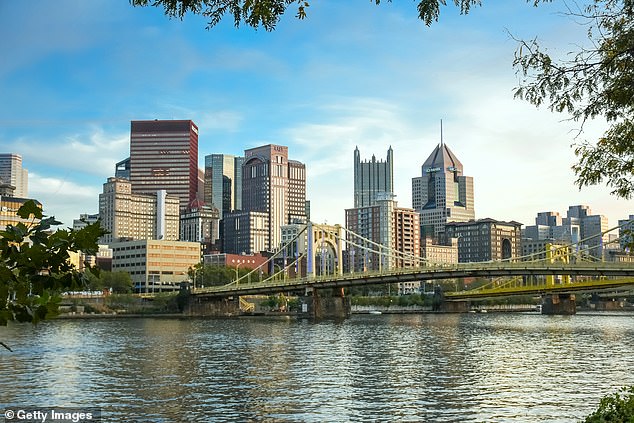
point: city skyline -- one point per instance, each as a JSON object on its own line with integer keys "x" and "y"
{"x": 77, "y": 73}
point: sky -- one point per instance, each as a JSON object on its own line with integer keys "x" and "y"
{"x": 74, "y": 73}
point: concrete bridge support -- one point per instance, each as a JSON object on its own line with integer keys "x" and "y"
{"x": 213, "y": 307}
{"x": 559, "y": 304}
{"x": 455, "y": 307}
{"x": 316, "y": 306}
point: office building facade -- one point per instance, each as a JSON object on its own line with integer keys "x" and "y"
{"x": 391, "y": 227}
{"x": 126, "y": 215}
{"x": 13, "y": 174}
{"x": 164, "y": 156}
{"x": 9, "y": 211}
{"x": 246, "y": 232}
{"x": 626, "y": 231}
{"x": 223, "y": 182}
{"x": 372, "y": 177}
{"x": 200, "y": 223}
{"x": 485, "y": 239}
{"x": 274, "y": 185}
{"x": 155, "y": 265}
{"x": 442, "y": 193}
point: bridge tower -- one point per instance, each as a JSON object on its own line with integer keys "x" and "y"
{"x": 558, "y": 303}
{"x": 559, "y": 254}
{"x": 323, "y": 239}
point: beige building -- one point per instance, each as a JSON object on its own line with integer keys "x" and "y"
{"x": 434, "y": 253}
{"x": 137, "y": 216}
{"x": 12, "y": 173}
{"x": 153, "y": 265}
{"x": 9, "y": 208}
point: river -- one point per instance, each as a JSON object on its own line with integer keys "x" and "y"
{"x": 496, "y": 367}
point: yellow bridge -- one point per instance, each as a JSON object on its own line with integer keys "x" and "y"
{"x": 619, "y": 274}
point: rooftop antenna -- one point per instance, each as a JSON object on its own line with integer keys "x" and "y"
{"x": 441, "y": 142}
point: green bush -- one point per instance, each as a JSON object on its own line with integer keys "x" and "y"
{"x": 616, "y": 408}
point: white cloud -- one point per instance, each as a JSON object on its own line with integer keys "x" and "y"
{"x": 93, "y": 152}
{"x": 64, "y": 198}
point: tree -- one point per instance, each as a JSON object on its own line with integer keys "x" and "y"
{"x": 213, "y": 275}
{"x": 617, "y": 408}
{"x": 595, "y": 81}
{"x": 35, "y": 266}
{"x": 119, "y": 282}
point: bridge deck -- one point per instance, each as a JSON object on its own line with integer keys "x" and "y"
{"x": 493, "y": 269}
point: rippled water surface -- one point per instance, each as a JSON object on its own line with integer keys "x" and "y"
{"x": 459, "y": 367}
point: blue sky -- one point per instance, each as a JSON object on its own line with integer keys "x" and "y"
{"x": 75, "y": 73}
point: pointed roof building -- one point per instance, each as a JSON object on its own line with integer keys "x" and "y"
{"x": 442, "y": 193}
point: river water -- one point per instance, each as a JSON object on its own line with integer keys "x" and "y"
{"x": 435, "y": 368}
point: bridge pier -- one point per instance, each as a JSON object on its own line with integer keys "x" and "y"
{"x": 559, "y": 304}
{"x": 212, "y": 307}
{"x": 455, "y": 307}
{"x": 316, "y": 306}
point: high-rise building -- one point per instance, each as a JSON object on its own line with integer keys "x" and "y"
{"x": 84, "y": 220}
{"x": 164, "y": 156}
{"x": 13, "y": 174}
{"x": 626, "y": 231}
{"x": 594, "y": 238}
{"x": 273, "y": 185}
{"x": 372, "y": 177}
{"x": 550, "y": 226}
{"x": 200, "y": 224}
{"x": 385, "y": 224}
{"x": 246, "y": 232}
{"x": 122, "y": 169}
{"x": 442, "y": 194}
{"x": 223, "y": 182}
{"x": 137, "y": 216}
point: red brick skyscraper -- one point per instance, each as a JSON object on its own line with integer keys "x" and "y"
{"x": 164, "y": 156}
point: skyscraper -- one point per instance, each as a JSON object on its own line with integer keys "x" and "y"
{"x": 126, "y": 215}
{"x": 223, "y": 182}
{"x": 275, "y": 185}
{"x": 442, "y": 194}
{"x": 164, "y": 156}
{"x": 395, "y": 228}
{"x": 371, "y": 178}
{"x": 13, "y": 174}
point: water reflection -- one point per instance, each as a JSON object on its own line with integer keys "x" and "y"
{"x": 495, "y": 367}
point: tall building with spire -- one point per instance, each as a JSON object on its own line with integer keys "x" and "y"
{"x": 372, "y": 177}
{"x": 442, "y": 193}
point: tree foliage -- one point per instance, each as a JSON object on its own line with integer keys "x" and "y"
{"x": 616, "y": 408}
{"x": 593, "y": 81}
{"x": 35, "y": 265}
{"x": 212, "y": 275}
{"x": 267, "y": 13}
{"x": 118, "y": 282}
